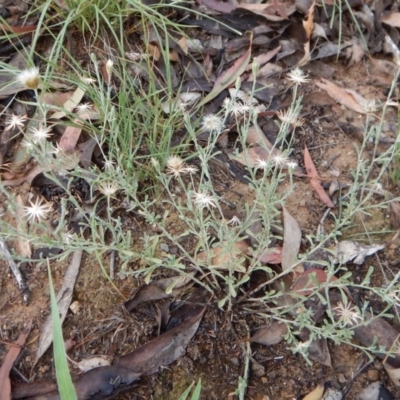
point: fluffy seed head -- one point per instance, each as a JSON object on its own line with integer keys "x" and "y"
{"x": 279, "y": 160}
{"x": 297, "y": 76}
{"x": 15, "y": 121}
{"x": 347, "y": 314}
{"x": 29, "y": 78}
{"x": 203, "y": 199}
{"x": 37, "y": 210}
{"x": 83, "y": 108}
{"x": 108, "y": 188}
{"x": 175, "y": 166}
{"x": 212, "y": 123}
{"x": 40, "y": 134}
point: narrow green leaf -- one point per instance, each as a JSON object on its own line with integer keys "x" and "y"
{"x": 185, "y": 394}
{"x": 231, "y": 74}
{"x": 196, "y": 391}
{"x": 64, "y": 382}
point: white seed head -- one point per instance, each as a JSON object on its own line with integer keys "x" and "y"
{"x": 39, "y": 134}
{"x": 175, "y": 166}
{"x": 108, "y": 188}
{"x": 190, "y": 169}
{"x": 347, "y": 314}
{"x": 212, "y": 123}
{"x": 37, "y": 210}
{"x": 297, "y": 76}
{"x": 238, "y": 109}
{"x": 203, "y": 199}
{"x": 261, "y": 164}
{"x": 109, "y": 164}
{"x": 87, "y": 80}
{"x": 290, "y": 117}
{"x": 279, "y": 160}
{"x": 291, "y": 165}
{"x": 15, "y": 121}
{"x": 30, "y": 78}
{"x": 83, "y": 108}
{"x": 234, "y": 221}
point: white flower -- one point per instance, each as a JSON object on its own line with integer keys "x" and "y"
{"x": 290, "y": 117}
{"x": 88, "y": 81}
{"x": 297, "y": 76}
{"x": 108, "y": 188}
{"x": 370, "y": 106}
{"x": 238, "y": 109}
{"x": 29, "y": 78}
{"x": 190, "y": 169}
{"x": 203, "y": 199}
{"x": 155, "y": 163}
{"x": 40, "y": 134}
{"x": 15, "y": 121}
{"x": 109, "y": 164}
{"x": 175, "y": 166}
{"x": 291, "y": 165}
{"x": 234, "y": 221}
{"x": 37, "y": 210}
{"x": 261, "y": 164}
{"x": 109, "y": 66}
{"x": 347, "y": 314}
{"x": 279, "y": 160}
{"x": 83, "y": 108}
{"x": 212, "y": 123}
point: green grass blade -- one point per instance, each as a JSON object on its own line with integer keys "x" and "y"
{"x": 197, "y": 390}
{"x": 64, "y": 381}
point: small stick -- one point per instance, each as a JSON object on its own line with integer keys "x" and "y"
{"x": 22, "y": 285}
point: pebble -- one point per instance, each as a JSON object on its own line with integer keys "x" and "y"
{"x": 373, "y": 375}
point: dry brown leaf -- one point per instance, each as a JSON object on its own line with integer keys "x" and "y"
{"x": 70, "y": 137}
{"x": 13, "y": 352}
{"x": 341, "y": 95}
{"x": 316, "y": 394}
{"x": 271, "y": 11}
{"x": 308, "y": 21}
{"x": 183, "y": 44}
{"x": 315, "y": 180}
{"x": 64, "y": 298}
{"x": 394, "y": 374}
{"x": 354, "y": 54}
{"x": 392, "y": 19}
{"x": 291, "y": 240}
{"x": 154, "y": 51}
{"x": 394, "y": 210}
{"x": 225, "y": 255}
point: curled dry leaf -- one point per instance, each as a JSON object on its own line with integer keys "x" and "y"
{"x": 93, "y": 362}
{"x": 315, "y": 180}
{"x": 347, "y": 251}
{"x": 226, "y": 256}
{"x": 158, "y": 290}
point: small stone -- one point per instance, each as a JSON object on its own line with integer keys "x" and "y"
{"x": 257, "y": 369}
{"x": 235, "y": 361}
{"x": 341, "y": 378}
{"x": 164, "y": 247}
{"x": 75, "y": 307}
{"x": 373, "y": 375}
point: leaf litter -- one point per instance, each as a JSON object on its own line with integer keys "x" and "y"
{"x": 308, "y": 28}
